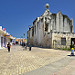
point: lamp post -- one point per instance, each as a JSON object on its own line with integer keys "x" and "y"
{"x": 29, "y": 26}
{"x": 29, "y": 40}
{"x": 24, "y": 35}
{"x": 22, "y": 39}
{"x": 29, "y": 35}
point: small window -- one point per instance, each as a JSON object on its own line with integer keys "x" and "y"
{"x": 63, "y": 41}
{"x": 46, "y": 26}
{"x": 33, "y": 31}
{"x": 42, "y": 20}
{"x": 37, "y": 25}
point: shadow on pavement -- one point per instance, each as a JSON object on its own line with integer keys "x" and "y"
{"x": 70, "y": 55}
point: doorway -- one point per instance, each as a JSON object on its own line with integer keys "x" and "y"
{"x": 1, "y": 41}
{"x": 73, "y": 41}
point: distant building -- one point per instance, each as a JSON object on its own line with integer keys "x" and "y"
{"x": 20, "y": 40}
{"x": 51, "y": 30}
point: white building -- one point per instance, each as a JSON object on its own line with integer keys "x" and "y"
{"x": 51, "y": 30}
{"x": 4, "y": 38}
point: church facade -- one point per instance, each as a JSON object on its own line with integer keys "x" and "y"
{"x": 51, "y": 30}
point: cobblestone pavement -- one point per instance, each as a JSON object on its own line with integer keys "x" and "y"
{"x": 64, "y": 66}
{"x": 20, "y": 61}
{"x": 68, "y": 69}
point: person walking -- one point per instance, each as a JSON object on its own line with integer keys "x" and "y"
{"x": 29, "y": 47}
{"x": 8, "y": 46}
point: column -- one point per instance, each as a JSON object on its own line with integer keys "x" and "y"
{"x": 4, "y": 41}
{"x": 0, "y": 43}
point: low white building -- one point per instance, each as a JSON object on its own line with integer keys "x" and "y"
{"x": 4, "y": 38}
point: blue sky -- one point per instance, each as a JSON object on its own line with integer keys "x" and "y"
{"x": 17, "y": 15}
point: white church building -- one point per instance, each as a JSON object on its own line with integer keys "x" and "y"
{"x": 51, "y": 30}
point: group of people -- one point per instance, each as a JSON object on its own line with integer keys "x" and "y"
{"x": 25, "y": 45}
{"x": 9, "y": 46}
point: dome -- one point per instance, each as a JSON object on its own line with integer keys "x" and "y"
{"x": 47, "y": 5}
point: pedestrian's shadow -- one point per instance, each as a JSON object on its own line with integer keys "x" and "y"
{"x": 70, "y": 55}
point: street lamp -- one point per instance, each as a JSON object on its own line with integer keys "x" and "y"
{"x": 29, "y": 26}
{"x": 29, "y": 34}
{"x": 22, "y": 39}
{"x": 29, "y": 39}
{"x": 24, "y": 35}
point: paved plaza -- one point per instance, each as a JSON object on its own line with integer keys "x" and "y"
{"x": 39, "y": 61}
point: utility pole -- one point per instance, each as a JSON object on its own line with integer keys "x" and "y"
{"x": 24, "y": 35}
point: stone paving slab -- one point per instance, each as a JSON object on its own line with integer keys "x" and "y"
{"x": 68, "y": 70}
{"x": 20, "y": 61}
{"x": 56, "y": 68}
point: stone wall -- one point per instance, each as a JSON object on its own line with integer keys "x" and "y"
{"x": 56, "y": 39}
{"x": 61, "y": 22}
